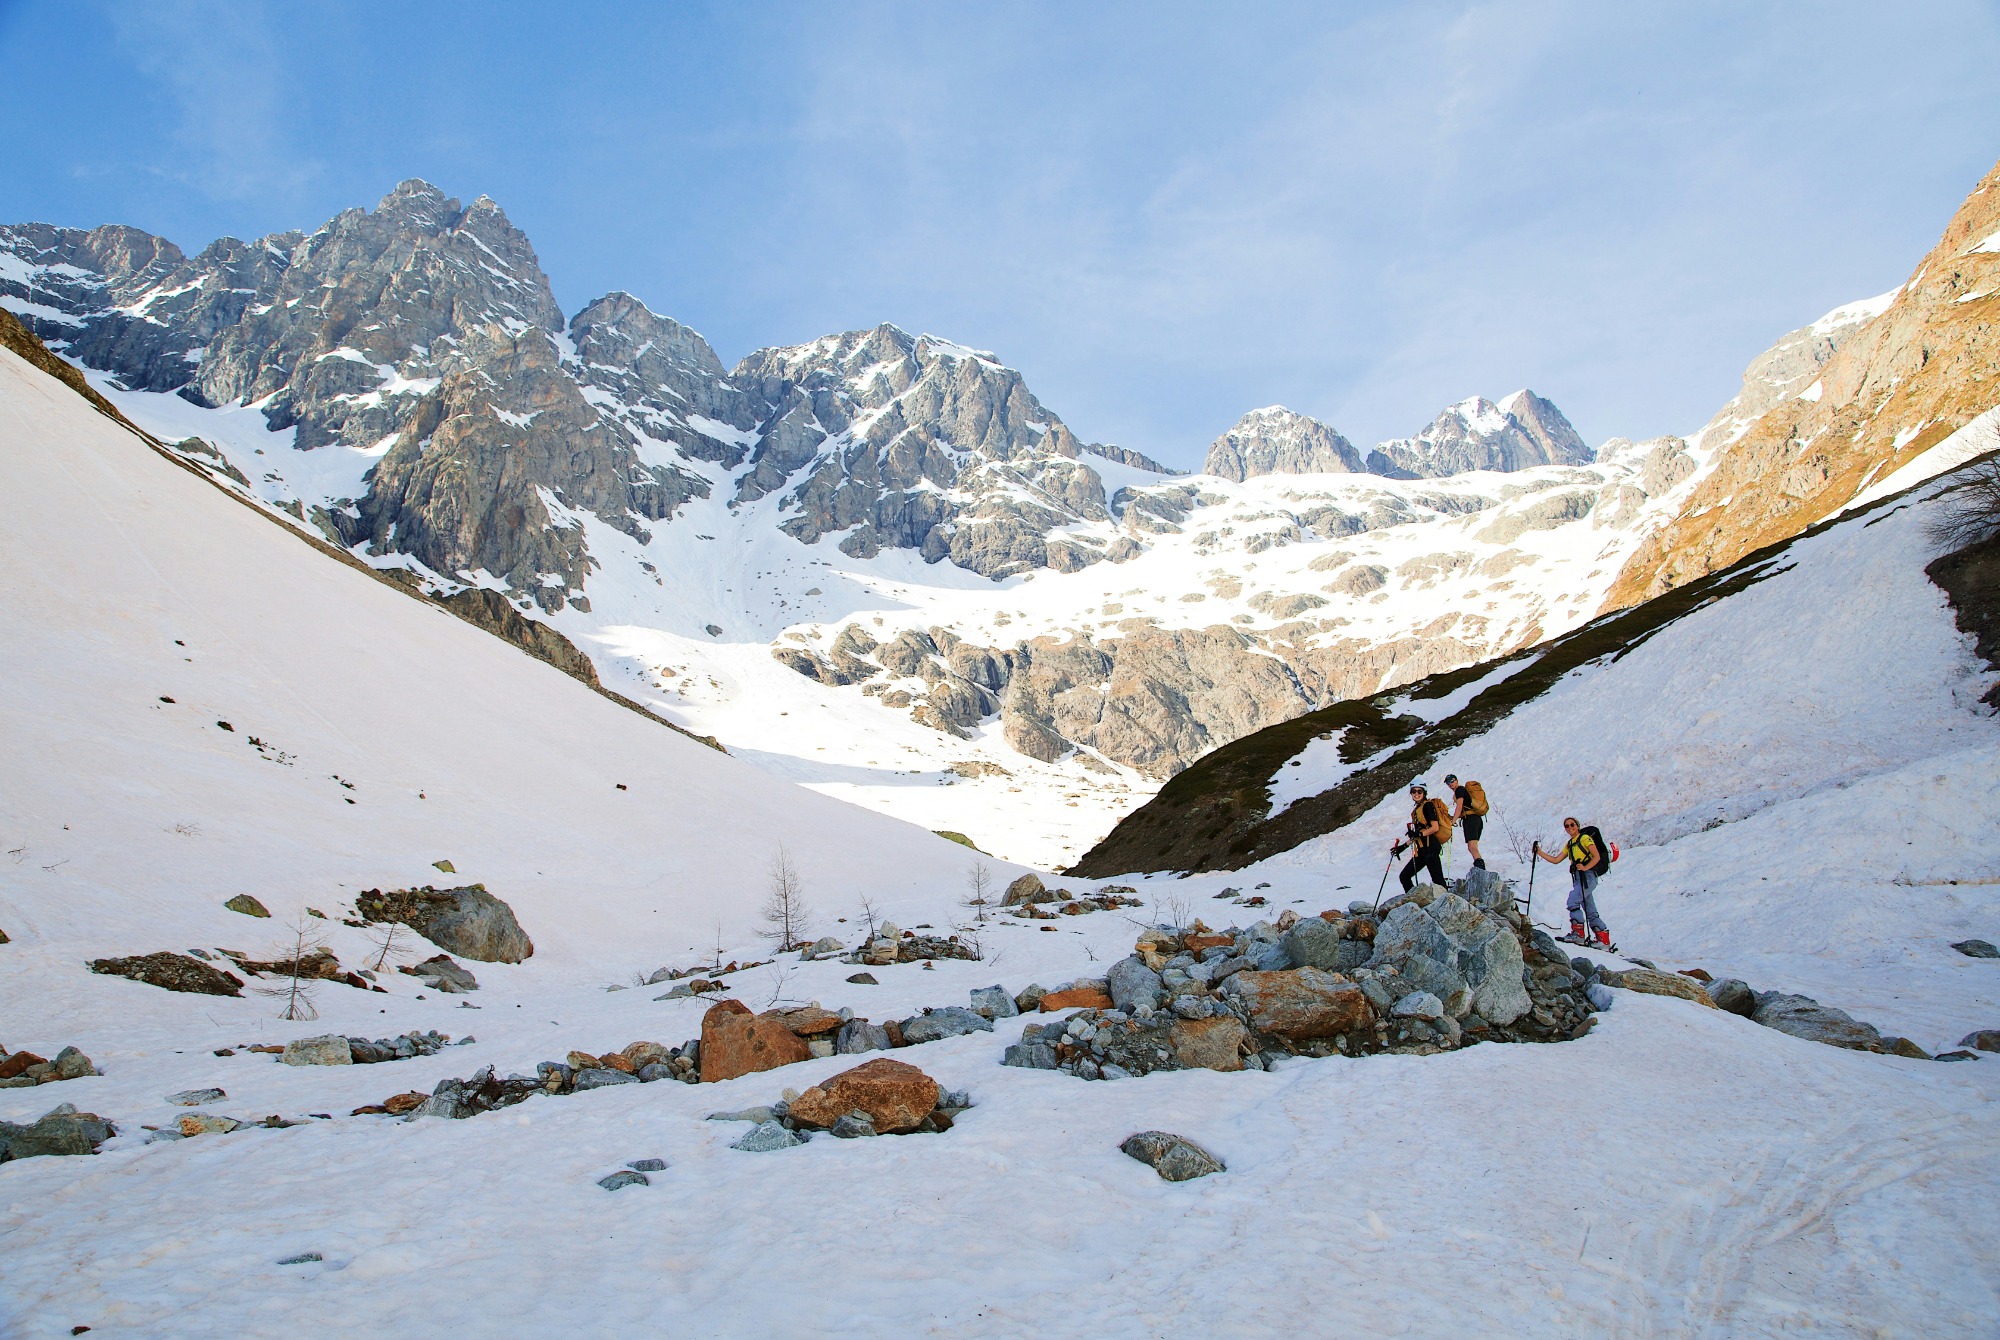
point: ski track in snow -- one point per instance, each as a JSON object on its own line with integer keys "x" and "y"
{"x": 1677, "y": 1172}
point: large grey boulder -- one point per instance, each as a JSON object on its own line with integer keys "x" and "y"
{"x": 1804, "y": 1017}
{"x": 1733, "y": 995}
{"x": 950, "y": 1022}
{"x": 994, "y": 1002}
{"x": 468, "y": 921}
{"x": 1133, "y": 984}
{"x": 1452, "y": 949}
{"x": 62, "y": 1130}
{"x": 1485, "y": 889}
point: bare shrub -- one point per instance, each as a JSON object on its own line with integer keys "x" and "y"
{"x": 1968, "y": 510}
{"x": 305, "y": 942}
{"x": 390, "y": 941}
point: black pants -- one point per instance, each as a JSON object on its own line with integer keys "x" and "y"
{"x": 1425, "y": 857}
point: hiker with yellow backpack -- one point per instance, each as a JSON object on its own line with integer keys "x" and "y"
{"x": 1428, "y": 830}
{"x": 1468, "y": 809}
{"x": 1590, "y": 858}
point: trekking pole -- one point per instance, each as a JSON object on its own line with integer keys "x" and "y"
{"x": 1385, "y": 879}
{"x": 1534, "y": 859}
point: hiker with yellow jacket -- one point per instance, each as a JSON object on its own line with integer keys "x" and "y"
{"x": 1588, "y": 860}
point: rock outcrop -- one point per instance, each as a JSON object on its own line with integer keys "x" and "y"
{"x": 1522, "y": 430}
{"x": 1274, "y": 440}
{"x": 175, "y": 972}
{"x": 467, "y": 921}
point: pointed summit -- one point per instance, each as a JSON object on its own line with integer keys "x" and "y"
{"x": 1520, "y": 432}
{"x": 1275, "y": 440}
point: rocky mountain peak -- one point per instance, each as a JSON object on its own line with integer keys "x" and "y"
{"x": 1275, "y": 440}
{"x": 1521, "y": 431}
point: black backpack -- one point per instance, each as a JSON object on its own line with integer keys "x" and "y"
{"x": 1606, "y": 853}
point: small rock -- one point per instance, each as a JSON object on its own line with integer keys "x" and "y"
{"x": 1977, "y": 949}
{"x": 1175, "y": 1158}
{"x": 1030, "y": 1056}
{"x": 1734, "y": 996}
{"x": 647, "y": 1165}
{"x": 1026, "y": 889}
{"x": 864, "y": 979}
{"x": 824, "y": 947}
{"x": 1215, "y": 1043}
{"x": 1905, "y": 1047}
{"x": 1600, "y": 995}
{"x": 757, "y": 1115}
{"x": 247, "y": 905}
{"x": 1804, "y": 1017}
{"x": 858, "y": 1035}
{"x": 196, "y": 1097}
{"x": 623, "y": 1178}
{"x": 73, "y": 1064}
{"x": 1985, "y": 1040}
{"x": 853, "y": 1126}
{"x": 1076, "y": 998}
{"x": 767, "y": 1136}
{"x": 993, "y": 1002}
{"x": 328, "y": 1049}
{"x": 1960, "y": 1055}
{"x": 1418, "y": 1005}
{"x": 1651, "y": 982}
{"x": 1030, "y": 999}
{"x": 397, "y": 1104}
{"x": 303, "y": 1258}
{"x": 207, "y": 1123}
{"x": 1131, "y": 983}
{"x": 601, "y": 1077}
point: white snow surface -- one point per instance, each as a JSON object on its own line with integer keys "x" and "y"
{"x": 1678, "y": 1171}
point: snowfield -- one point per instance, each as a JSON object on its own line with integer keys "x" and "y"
{"x": 1678, "y": 1171}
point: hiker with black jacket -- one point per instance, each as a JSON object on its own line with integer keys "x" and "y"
{"x": 1587, "y": 860}
{"x": 1468, "y": 808}
{"x": 1426, "y": 832}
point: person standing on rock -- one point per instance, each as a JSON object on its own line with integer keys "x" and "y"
{"x": 1468, "y": 808}
{"x": 1586, "y": 862}
{"x": 1424, "y": 834}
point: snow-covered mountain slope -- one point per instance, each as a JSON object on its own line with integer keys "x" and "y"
{"x": 368, "y": 736}
{"x": 1676, "y": 1171}
{"x": 873, "y": 563}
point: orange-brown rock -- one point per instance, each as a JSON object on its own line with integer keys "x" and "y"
{"x": 1699, "y": 974}
{"x": 400, "y": 1103}
{"x": 809, "y": 1022}
{"x": 896, "y": 1096}
{"x": 1076, "y": 998}
{"x": 1195, "y": 944}
{"x": 583, "y": 1061}
{"x": 643, "y": 1054}
{"x": 736, "y": 1042}
{"x": 1215, "y": 1043}
{"x": 1303, "y": 1004}
{"x": 18, "y": 1062}
{"x": 617, "y": 1061}
{"x": 369, "y": 1110}
{"x": 893, "y": 1028}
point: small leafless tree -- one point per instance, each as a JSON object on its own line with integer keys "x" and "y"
{"x": 1174, "y": 910}
{"x": 390, "y": 941}
{"x": 718, "y": 949}
{"x": 871, "y": 917}
{"x": 1968, "y": 510}
{"x": 780, "y": 977}
{"x": 1520, "y": 843}
{"x": 978, "y": 880}
{"x": 305, "y": 941}
{"x": 785, "y": 914}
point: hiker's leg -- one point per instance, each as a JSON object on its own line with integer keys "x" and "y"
{"x": 1587, "y": 886}
{"x": 1478, "y": 861}
{"x": 1432, "y": 863}
{"x": 1409, "y": 874}
{"x": 1576, "y": 897}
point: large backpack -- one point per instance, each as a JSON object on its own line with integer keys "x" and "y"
{"x": 1607, "y": 852}
{"x": 1475, "y": 799}
{"x": 1442, "y": 813}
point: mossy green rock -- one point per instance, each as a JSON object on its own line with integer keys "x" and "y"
{"x": 247, "y": 905}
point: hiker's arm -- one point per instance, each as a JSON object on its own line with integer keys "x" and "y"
{"x": 1553, "y": 858}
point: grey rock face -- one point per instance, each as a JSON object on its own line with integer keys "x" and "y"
{"x": 858, "y": 1035}
{"x": 993, "y": 1002}
{"x": 1523, "y": 430}
{"x": 1274, "y": 440}
{"x": 1451, "y": 947}
{"x": 950, "y": 1022}
{"x": 602, "y": 1078}
{"x": 196, "y": 1097}
{"x": 62, "y": 1130}
{"x": 853, "y": 1126}
{"x": 1175, "y": 1158}
{"x": 467, "y": 921}
{"x": 1314, "y": 943}
{"x": 1804, "y": 1017}
{"x": 1132, "y": 984}
{"x": 1734, "y": 996}
{"x": 1030, "y": 1055}
{"x": 441, "y": 974}
{"x": 1418, "y": 1005}
{"x": 767, "y": 1136}
{"x": 331, "y": 1049}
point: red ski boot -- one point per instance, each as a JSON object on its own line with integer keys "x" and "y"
{"x": 1576, "y": 935}
{"x": 1604, "y": 942}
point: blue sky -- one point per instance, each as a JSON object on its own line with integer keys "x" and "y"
{"x": 1163, "y": 214}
